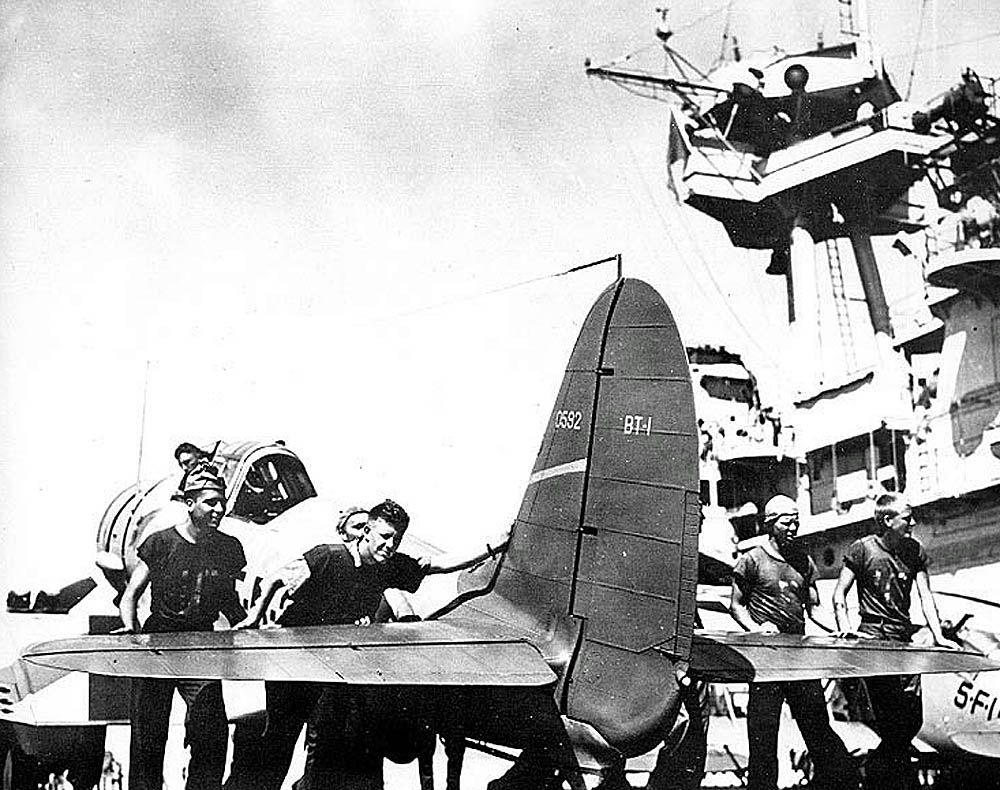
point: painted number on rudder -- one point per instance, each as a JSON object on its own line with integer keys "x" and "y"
{"x": 569, "y": 420}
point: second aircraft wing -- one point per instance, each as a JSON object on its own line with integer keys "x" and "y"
{"x": 742, "y": 657}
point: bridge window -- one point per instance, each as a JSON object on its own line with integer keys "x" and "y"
{"x": 728, "y": 388}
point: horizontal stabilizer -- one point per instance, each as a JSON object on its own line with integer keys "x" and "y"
{"x": 20, "y": 680}
{"x": 425, "y": 653}
{"x": 741, "y": 657}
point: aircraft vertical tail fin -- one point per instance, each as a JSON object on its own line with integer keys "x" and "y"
{"x": 607, "y": 531}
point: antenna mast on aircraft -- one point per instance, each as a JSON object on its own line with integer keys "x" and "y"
{"x": 142, "y": 424}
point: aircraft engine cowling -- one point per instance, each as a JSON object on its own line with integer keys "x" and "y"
{"x": 125, "y": 523}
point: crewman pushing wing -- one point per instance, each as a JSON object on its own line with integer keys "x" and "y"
{"x": 774, "y": 585}
{"x": 885, "y": 566}
{"x": 191, "y": 570}
{"x": 261, "y": 759}
{"x": 332, "y": 584}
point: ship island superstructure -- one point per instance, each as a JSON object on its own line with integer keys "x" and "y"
{"x": 883, "y": 218}
{"x": 872, "y": 207}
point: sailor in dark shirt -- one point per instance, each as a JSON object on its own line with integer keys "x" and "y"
{"x": 338, "y": 583}
{"x": 885, "y": 566}
{"x": 774, "y": 584}
{"x": 191, "y": 571}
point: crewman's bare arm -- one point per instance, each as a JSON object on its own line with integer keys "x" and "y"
{"x": 812, "y": 604}
{"x": 128, "y": 605}
{"x": 929, "y": 607}
{"x": 844, "y": 583}
{"x": 456, "y": 561}
{"x": 232, "y": 609}
{"x": 741, "y": 614}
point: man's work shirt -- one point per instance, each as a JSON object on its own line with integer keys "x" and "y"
{"x": 190, "y": 583}
{"x": 885, "y": 580}
{"x": 329, "y": 584}
{"x": 776, "y": 589}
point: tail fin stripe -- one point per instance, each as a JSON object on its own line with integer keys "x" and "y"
{"x": 580, "y": 465}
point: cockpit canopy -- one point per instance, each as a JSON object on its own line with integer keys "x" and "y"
{"x": 263, "y": 480}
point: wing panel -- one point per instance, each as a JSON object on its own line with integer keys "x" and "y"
{"x": 742, "y": 657}
{"x": 442, "y": 655}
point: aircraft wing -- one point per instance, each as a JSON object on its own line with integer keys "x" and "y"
{"x": 741, "y": 657}
{"x": 423, "y": 653}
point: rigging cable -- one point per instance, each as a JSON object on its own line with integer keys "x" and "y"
{"x": 950, "y": 44}
{"x": 916, "y": 48}
{"x": 725, "y": 34}
{"x": 489, "y": 292}
{"x": 766, "y": 355}
{"x": 707, "y": 15}
{"x": 629, "y": 55}
{"x": 603, "y": 115}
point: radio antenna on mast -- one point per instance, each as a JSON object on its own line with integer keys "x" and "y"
{"x": 142, "y": 425}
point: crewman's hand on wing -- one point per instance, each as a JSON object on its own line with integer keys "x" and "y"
{"x": 767, "y": 628}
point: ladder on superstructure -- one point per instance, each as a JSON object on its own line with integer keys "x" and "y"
{"x": 840, "y": 304}
{"x": 845, "y": 12}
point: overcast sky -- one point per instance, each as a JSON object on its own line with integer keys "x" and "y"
{"x": 294, "y": 220}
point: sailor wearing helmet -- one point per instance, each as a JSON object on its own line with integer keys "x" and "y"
{"x": 774, "y": 585}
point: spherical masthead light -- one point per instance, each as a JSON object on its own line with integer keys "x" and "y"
{"x": 796, "y": 77}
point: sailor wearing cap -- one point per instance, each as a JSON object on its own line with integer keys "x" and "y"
{"x": 774, "y": 585}
{"x": 191, "y": 571}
